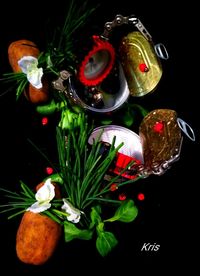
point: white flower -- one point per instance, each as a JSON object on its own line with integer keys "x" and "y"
{"x": 74, "y": 214}
{"x": 28, "y": 65}
{"x": 38, "y": 207}
{"x": 43, "y": 196}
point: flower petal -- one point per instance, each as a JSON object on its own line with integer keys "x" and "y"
{"x": 38, "y": 208}
{"x": 26, "y": 61}
{"x": 28, "y": 65}
{"x": 74, "y": 218}
{"x": 74, "y": 213}
{"x": 34, "y": 76}
{"x": 46, "y": 192}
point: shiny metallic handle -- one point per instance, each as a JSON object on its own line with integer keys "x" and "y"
{"x": 186, "y": 128}
{"x": 61, "y": 86}
{"x": 59, "y": 83}
{"x": 121, "y": 20}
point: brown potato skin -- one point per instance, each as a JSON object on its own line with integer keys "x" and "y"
{"x": 37, "y": 236}
{"x": 16, "y": 51}
{"x": 19, "y": 49}
{"x": 37, "y": 96}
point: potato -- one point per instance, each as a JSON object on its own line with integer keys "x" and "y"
{"x": 37, "y": 236}
{"x": 19, "y": 49}
{"x": 37, "y": 96}
{"x": 16, "y": 51}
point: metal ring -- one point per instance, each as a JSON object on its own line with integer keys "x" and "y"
{"x": 161, "y": 51}
{"x": 184, "y": 127}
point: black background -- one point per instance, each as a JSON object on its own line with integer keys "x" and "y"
{"x": 174, "y": 192}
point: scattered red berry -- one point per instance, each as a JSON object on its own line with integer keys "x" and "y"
{"x": 113, "y": 187}
{"x": 122, "y": 196}
{"x": 49, "y": 170}
{"x": 141, "y": 196}
{"x": 45, "y": 121}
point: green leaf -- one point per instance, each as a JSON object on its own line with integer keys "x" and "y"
{"x": 16, "y": 214}
{"x": 72, "y": 232}
{"x": 128, "y": 118}
{"x": 28, "y": 192}
{"x": 52, "y": 216}
{"x": 56, "y": 177}
{"x": 105, "y": 242}
{"x": 106, "y": 121}
{"x": 76, "y": 108}
{"x": 95, "y": 216}
{"x": 69, "y": 120}
{"x": 100, "y": 228}
{"x": 47, "y": 109}
{"x": 140, "y": 108}
{"x": 127, "y": 212}
{"x": 21, "y": 86}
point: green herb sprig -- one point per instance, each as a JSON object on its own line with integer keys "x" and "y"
{"x": 83, "y": 168}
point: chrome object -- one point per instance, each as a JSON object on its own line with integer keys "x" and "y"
{"x": 110, "y": 102}
{"x": 121, "y": 20}
{"x": 135, "y": 51}
{"x": 185, "y": 127}
{"x": 138, "y": 55}
{"x": 161, "y": 51}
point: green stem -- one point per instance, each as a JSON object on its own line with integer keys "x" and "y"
{"x": 16, "y": 214}
{"x": 45, "y": 157}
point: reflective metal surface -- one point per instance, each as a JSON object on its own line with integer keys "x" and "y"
{"x": 161, "y": 139}
{"x": 135, "y": 51}
{"x": 102, "y": 100}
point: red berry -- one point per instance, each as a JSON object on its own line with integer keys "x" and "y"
{"x": 45, "y": 121}
{"x": 113, "y": 187}
{"x": 141, "y": 196}
{"x": 49, "y": 170}
{"x": 122, "y": 196}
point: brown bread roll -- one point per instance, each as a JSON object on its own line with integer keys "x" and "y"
{"x": 37, "y": 236}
